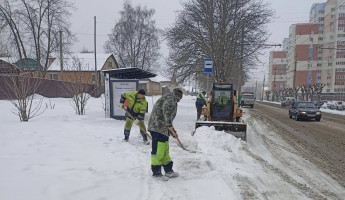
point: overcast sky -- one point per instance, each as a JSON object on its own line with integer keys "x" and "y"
{"x": 107, "y": 13}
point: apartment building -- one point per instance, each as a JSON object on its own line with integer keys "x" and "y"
{"x": 315, "y": 51}
{"x": 277, "y": 78}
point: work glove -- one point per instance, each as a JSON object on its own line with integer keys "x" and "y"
{"x": 136, "y": 122}
{"x": 173, "y": 132}
{"x": 121, "y": 105}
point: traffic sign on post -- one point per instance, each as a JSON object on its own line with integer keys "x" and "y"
{"x": 208, "y": 65}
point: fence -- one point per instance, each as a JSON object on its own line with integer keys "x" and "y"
{"x": 51, "y": 88}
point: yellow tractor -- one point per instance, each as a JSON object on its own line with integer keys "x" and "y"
{"x": 222, "y": 112}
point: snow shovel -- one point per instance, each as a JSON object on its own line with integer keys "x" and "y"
{"x": 179, "y": 143}
{"x": 129, "y": 114}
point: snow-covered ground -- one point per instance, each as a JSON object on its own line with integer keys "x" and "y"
{"x": 59, "y": 155}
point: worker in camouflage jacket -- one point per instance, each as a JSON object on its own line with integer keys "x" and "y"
{"x": 161, "y": 127}
{"x": 137, "y": 107}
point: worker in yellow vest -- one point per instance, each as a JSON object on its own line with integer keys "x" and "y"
{"x": 137, "y": 107}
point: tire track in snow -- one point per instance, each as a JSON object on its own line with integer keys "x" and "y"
{"x": 297, "y": 149}
{"x": 308, "y": 191}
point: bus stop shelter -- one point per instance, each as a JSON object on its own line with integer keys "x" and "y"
{"x": 117, "y": 82}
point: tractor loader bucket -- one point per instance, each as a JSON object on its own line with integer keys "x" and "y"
{"x": 236, "y": 129}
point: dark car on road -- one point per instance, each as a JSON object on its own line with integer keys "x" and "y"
{"x": 304, "y": 110}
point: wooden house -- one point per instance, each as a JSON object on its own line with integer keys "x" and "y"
{"x": 6, "y": 67}
{"x": 81, "y": 68}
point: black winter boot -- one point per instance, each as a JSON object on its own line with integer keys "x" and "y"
{"x": 169, "y": 172}
{"x": 145, "y": 138}
{"x": 168, "y": 167}
{"x": 156, "y": 170}
{"x": 127, "y": 132}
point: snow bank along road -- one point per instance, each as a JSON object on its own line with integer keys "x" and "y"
{"x": 322, "y": 143}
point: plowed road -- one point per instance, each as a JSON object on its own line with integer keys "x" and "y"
{"x": 322, "y": 143}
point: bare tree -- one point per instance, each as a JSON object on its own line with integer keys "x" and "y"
{"x": 232, "y": 33}
{"x": 134, "y": 38}
{"x": 21, "y": 91}
{"x": 303, "y": 91}
{"x": 268, "y": 93}
{"x": 318, "y": 87}
{"x": 34, "y": 26}
{"x": 294, "y": 91}
{"x": 77, "y": 86}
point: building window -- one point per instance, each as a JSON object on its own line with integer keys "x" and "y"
{"x": 93, "y": 77}
{"x": 319, "y": 64}
{"x": 110, "y": 64}
{"x": 332, "y": 16}
{"x": 53, "y": 76}
{"x": 310, "y": 52}
{"x": 340, "y": 70}
{"x": 330, "y": 64}
{"x": 309, "y": 77}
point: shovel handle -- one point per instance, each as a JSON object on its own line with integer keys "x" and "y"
{"x": 130, "y": 116}
{"x": 178, "y": 140}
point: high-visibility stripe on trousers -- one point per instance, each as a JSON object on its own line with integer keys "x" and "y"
{"x": 160, "y": 149}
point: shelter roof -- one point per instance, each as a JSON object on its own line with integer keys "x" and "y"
{"x": 129, "y": 73}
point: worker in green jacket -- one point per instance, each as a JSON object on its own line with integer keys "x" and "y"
{"x": 137, "y": 107}
{"x": 199, "y": 103}
{"x": 222, "y": 99}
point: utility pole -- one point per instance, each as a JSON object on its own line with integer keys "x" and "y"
{"x": 241, "y": 66}
{"x": 274, "y": 87}
{"x": 294, "y": 73}
{"x": 294, "y": 78}
{"x": 61, "y": 56}
{"x": 256, "y": 86}
{"x": 263, "y": 89}
{"x": 95, "y": 53}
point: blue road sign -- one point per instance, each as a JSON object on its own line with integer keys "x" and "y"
{"x": 208, "y": 65}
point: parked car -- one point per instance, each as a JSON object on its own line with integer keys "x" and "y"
{"x": 286, "y": 101}
{"x": 304, "y": 110}
{"x": 340, "y": 105}
{"x": 331, "y": 105}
